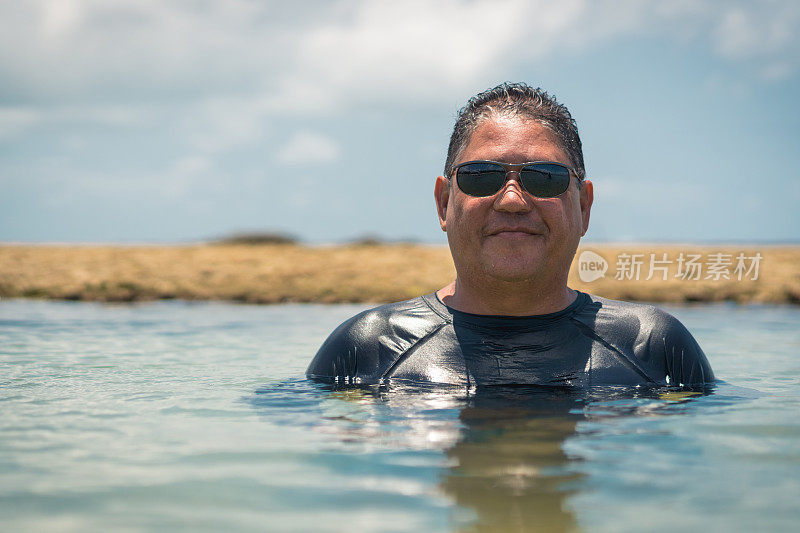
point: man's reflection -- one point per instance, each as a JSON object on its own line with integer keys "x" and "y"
{"x": 505, "y": 445}
{"x": 510, "y": 467}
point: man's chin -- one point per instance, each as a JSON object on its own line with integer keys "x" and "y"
{"x": 515, "y": 258}
{"x": 513, "y": 269}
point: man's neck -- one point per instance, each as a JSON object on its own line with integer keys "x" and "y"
{"x": 509, "y": 299}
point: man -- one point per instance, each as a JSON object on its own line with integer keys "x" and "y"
{"x": 509, "y": 317}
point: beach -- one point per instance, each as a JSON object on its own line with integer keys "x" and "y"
{"x": 275, "y": 273}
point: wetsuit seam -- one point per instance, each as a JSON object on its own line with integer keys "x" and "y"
{"x": 633, "y": 365}
{"x": 446, "y": 318}
{"x": 410, "y": 350}
{"x": 683, "y": 366}
{"x": 670, "y": 360}
{"x": 702, "y": 374}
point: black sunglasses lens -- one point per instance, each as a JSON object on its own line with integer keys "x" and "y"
{"x": 480, "y": 179}
{"x": 545, "y": 180}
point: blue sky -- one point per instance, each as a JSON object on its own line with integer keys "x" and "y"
{"x": 153, "y": 121}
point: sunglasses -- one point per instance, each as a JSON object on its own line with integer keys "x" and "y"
{"x": 543, "y": 179}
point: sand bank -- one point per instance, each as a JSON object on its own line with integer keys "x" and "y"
{"x": 276, "y": 273}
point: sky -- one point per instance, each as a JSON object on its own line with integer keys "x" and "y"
{"x": 138, "y": 121}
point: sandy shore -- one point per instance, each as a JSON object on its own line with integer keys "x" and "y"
{"x": 382, "y": 273}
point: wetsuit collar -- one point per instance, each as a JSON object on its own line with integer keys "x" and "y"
{"x": 448, "y": 313}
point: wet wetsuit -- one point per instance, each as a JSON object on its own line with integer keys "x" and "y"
{"x": 594, "y": 341}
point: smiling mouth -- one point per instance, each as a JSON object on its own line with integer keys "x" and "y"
{"x": 513, "y": 232}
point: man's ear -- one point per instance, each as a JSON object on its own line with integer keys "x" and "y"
{"x": 587, "y": 198}
{"x": 441, "y": 191}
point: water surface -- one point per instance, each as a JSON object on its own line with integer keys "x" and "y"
{"x": 195, "y": 416}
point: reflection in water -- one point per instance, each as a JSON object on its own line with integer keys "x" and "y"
{"x": 509, "y": 463}
{"x": 504, "y": 445}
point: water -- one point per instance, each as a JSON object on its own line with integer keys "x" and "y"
{"x": 196, "y": 417}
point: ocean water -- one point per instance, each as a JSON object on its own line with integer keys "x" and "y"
{"x": 196, "y": 417}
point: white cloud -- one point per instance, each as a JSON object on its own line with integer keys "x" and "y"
{"x": 59, "y": 16}
{"x": 177, "y": 179}
{"x": 744, "y": 32}
{"x": 766, "y": 32}
{"x": 413, "y": 50}
{"x": 229, "y": 66}
{"x": 15, "y": 120}
{"x": 149, "y": 49}
{"x": 308, "y": 147}
{"x": 215, "y": 125}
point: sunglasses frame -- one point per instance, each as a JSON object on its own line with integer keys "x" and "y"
{"x": 514, "y": 167}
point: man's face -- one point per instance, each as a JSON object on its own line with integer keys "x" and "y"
{"x": 513, "y": 236}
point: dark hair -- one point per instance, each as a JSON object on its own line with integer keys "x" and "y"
{"x": 516, "y": 99}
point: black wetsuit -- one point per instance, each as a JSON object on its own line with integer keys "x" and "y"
{"x": 594, "y": 341}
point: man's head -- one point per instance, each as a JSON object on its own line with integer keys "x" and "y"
{"x": 516, "y": 100}
{"x": 514, "y": 236}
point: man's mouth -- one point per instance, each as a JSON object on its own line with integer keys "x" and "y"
{"x": 513, "y": 231}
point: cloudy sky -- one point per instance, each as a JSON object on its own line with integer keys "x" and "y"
{"x": 165, "y": 121}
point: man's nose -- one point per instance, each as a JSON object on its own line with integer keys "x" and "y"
{"x": 511, "y": 197}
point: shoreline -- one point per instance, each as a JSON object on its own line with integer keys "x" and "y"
{"x": 375, "y": 273}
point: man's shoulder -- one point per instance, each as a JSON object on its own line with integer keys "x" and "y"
{"x": 367, "y": 342}
{"x": 367, "y": 325}
{"x": 643, "y": 315}
{"x": 656, "y": 337}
